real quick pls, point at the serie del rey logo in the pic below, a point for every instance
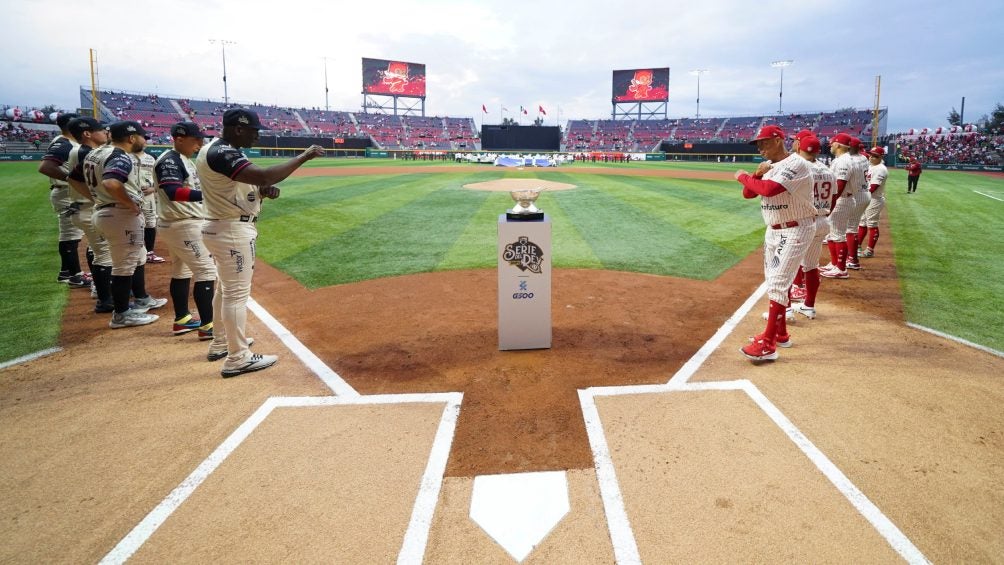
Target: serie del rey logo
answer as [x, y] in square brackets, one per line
[524, 254]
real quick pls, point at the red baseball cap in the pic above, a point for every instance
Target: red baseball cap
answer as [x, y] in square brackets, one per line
[768, 132]
[809, 144]
[856, 143]
[802, 134]
[842, 139]
[877, 151]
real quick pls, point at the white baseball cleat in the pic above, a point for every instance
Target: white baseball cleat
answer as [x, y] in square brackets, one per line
[789, 315]
[807, 311]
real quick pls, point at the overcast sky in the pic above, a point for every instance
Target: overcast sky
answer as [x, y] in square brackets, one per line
[558, 55]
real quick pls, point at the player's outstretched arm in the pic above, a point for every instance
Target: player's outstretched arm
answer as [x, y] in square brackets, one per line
[253, 174]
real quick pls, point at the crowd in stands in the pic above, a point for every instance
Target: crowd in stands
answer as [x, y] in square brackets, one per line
[949, 148]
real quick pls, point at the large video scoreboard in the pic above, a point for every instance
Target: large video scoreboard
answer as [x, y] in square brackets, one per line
[393, 78]
[641, 85]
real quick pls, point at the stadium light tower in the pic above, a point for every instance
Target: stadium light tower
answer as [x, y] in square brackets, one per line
[780, 93]
[223, 45]
[698, 72]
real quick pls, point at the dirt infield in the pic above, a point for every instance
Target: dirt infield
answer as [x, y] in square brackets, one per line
[505, 185]
[97, 435]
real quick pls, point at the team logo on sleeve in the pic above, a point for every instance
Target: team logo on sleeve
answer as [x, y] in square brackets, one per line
[524, 254]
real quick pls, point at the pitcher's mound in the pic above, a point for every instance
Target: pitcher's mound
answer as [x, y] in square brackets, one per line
[505, 185]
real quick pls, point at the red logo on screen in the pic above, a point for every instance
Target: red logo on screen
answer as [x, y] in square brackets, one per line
[641, 84]
[396, 76]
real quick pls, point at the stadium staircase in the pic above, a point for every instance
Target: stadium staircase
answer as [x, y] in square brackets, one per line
[303, 123]
[177, 108]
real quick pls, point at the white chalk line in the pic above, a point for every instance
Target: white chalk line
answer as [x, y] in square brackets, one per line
[989, 196]
[956, 339]
[30, 357]
[417, 534]
[618, 523]
[313, 362]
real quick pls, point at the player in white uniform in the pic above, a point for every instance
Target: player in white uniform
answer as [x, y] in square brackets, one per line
[233, 187]
[54, 166]
[146, 162]
[823, 185]
[111, 175]
[877, 175]
[181, 216]
[90, 134]
[843, 203]
[784, 183]
[862, 196]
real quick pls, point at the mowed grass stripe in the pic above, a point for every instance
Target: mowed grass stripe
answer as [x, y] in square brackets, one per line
[474, 248]
[626, 238]
[569, 247]
[948, 239]
[282, 238]
[413, 238]
[715, 216]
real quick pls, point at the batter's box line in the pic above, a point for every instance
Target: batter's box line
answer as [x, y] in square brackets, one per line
[417, 534]
[327, 375]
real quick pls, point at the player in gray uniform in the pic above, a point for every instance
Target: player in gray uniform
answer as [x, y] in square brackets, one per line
[54, 166]
[181, 216]
[233, 187]
[146, 162]
[823, 185]
[784, 183]
[862, 196]
[90, 134]
[877, 175]
[110, 173]
[843, 203]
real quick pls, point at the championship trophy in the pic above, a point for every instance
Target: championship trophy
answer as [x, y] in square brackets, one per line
[524, 210]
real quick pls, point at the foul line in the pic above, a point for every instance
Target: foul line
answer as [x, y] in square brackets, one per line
[313, 362]
[417, 533]
[30, 357]
[624, 543]
[956, 339]
[988, 196]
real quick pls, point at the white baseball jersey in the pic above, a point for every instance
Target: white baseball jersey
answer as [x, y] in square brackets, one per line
[795, 203]
[878, 174]
[110, 162]
[824, 184]
[145, 162]
[179, 193]
[861, 165]
[217, 164]
[843, 169]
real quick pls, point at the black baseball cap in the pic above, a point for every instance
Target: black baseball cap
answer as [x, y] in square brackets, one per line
[62, 120]
[77, 126]
[125, 128]
[187, 129]
[242, 117]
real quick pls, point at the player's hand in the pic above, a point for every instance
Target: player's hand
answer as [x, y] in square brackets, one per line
[312, 152]
[269, 192]
[763, 168]
[740, 173]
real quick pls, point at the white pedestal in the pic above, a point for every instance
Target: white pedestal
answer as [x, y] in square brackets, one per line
[524, 269]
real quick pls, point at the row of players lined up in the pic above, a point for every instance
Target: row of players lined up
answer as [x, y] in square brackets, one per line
[206, 213]
[805, 203]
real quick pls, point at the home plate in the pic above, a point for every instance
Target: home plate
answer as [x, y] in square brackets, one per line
[519, 510]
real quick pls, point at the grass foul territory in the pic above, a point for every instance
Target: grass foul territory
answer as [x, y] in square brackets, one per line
[331, 230]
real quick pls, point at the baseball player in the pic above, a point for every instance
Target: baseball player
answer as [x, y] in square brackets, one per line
[843, 203]
[54, 166]
[823, 185]
[110, 173]
[146, 162]
[862, 196]
[912, 175]
[233, 187]
[180, 219]
[90, 134]
[877, 175]
[784, 183]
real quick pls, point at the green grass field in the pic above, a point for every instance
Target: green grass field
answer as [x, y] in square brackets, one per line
[334, 230]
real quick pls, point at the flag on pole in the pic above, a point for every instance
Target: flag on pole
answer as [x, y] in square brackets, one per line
[504, 109]
[522, 109]
[483, 109]
[541, 110]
